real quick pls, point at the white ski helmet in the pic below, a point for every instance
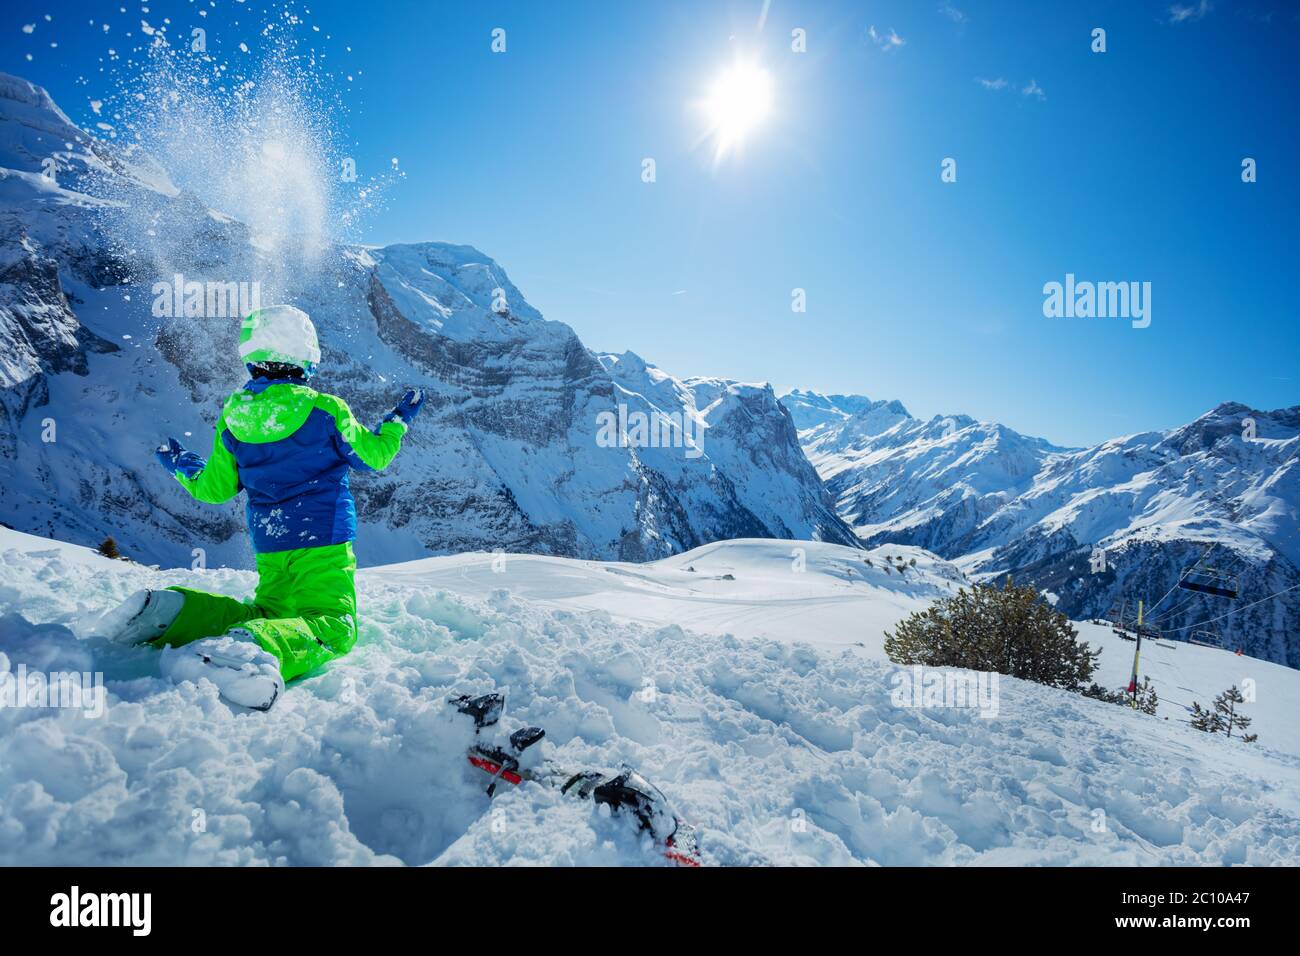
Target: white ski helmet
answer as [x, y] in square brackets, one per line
[279, 333]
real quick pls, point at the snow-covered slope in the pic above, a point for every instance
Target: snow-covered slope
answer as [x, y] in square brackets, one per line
[506, 456]
[996, 501]
[780, 751]
[829, 596]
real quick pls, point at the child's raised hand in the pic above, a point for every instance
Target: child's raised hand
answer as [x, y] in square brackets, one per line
[409, 406]
[177, 460]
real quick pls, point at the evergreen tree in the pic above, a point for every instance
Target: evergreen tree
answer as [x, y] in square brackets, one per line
[1097, 692]
[108, 548]
[1206, 720]
[1008, 630]
[1146, 699]
[1226, 707]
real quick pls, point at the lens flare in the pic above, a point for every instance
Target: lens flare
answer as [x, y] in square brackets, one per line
[738, 102]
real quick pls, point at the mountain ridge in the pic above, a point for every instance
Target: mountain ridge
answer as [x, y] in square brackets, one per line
[997, 503]
[505, 457]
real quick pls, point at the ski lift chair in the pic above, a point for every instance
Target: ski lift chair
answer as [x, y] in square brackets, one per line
[1150, 632]
[1209, 581]
[1206, 638]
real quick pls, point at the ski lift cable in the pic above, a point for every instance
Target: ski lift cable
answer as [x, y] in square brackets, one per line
[1238, 560]
[1175, 608]
[1170, 614]
[1186, 602]
[1204, 554]
[1209, 580]
[1190, 599]
[1194, 596]
[1234, 611]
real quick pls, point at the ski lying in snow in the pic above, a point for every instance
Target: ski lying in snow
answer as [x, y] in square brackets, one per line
[625, 790]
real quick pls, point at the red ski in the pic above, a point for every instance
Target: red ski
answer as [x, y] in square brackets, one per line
[624, 791]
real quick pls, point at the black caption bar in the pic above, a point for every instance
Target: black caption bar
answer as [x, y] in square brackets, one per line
[237, 906]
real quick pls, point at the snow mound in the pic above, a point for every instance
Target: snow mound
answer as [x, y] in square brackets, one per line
[780, 752]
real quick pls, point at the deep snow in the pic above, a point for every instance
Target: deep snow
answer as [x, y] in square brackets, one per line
[780, 741]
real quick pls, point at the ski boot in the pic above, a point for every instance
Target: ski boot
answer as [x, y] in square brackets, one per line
[629, 790]
[142, 617]
[244, 673]
[485, 711]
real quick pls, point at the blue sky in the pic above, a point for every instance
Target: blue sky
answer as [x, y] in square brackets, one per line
[1115, 166]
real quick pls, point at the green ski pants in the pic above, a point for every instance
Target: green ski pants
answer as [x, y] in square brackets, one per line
[304, 611]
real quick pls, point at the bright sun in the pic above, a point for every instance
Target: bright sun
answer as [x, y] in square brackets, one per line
[740, 99]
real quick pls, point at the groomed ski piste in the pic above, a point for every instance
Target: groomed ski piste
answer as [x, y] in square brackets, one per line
[753, 690]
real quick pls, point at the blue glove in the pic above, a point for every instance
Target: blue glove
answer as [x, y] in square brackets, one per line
[177, 460]
[408, 407]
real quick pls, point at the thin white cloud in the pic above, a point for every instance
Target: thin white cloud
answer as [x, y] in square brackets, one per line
[1182, 12]
[1033, 89]
[952, 13]
[998, 84]
[886, 41]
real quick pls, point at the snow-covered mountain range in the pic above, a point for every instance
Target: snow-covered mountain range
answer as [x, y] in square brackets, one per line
[996, 501]
[508, 454]
[513, 452]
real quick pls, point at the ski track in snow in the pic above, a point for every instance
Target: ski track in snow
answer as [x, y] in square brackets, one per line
[780, 752]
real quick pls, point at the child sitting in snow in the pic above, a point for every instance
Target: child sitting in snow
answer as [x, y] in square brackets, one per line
[290, 448]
